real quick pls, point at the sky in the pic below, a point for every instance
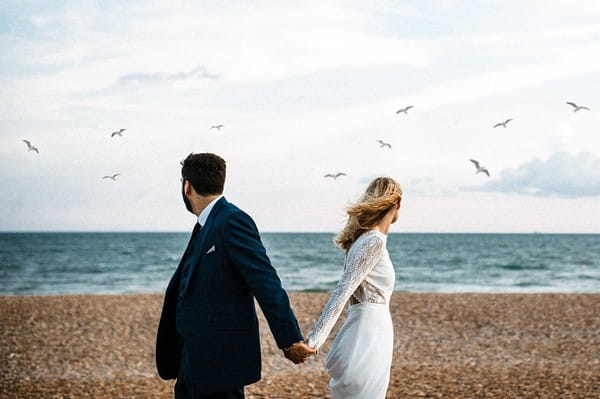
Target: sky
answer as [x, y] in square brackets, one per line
[303, 89]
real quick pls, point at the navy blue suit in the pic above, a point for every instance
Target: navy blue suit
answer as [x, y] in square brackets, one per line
[208, 332]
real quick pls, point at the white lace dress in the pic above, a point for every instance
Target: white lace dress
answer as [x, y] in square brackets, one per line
[360, 357]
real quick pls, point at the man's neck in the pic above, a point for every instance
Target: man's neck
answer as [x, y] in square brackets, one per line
[202, 203]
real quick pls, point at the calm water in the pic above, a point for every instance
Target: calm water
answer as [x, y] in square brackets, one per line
[83, 263]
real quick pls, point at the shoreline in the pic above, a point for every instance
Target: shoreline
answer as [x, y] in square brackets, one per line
[450, 345]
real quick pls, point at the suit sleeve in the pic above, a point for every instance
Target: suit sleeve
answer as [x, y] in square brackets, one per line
[248, 254]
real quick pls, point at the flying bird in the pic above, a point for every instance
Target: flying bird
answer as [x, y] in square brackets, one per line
[577, 107]
[480, 169]
[117, 133]
[503, 124]
[405, 109]
[113, 177]
[383, 144]
[335, 176]
[218, 127]
[30, 147]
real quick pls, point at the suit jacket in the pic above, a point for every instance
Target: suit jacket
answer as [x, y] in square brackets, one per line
[208, 330]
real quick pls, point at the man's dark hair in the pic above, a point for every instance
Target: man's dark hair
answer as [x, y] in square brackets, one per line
[205, 172]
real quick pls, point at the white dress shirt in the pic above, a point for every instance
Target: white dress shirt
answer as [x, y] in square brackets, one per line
[203, 216]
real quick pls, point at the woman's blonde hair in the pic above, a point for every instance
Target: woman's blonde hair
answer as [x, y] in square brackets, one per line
[381, 195]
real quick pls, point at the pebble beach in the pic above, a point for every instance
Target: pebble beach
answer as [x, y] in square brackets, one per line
[446, 346]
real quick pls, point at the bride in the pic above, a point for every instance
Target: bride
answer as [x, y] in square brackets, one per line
[360, 357]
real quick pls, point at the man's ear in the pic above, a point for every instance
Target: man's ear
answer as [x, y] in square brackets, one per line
[187, 187]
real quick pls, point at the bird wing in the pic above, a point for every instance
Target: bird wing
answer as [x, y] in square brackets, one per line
[389, 145]
[115, 175]
[329, 175]
[340, 174]
[486, 172]
[409, 107]
[35, 149]
[508, 120]
[497, 124]
[572, 104]
[475, 162]
[584, 108]
[113, 134]
[27, 142]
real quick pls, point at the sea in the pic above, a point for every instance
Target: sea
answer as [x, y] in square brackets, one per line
[117, 263]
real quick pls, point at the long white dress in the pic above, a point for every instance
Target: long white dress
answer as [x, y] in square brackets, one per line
[360, 357]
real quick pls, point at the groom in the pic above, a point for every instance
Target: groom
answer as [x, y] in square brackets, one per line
[208, 332]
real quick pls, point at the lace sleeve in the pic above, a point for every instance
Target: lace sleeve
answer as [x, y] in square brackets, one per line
[358, 266]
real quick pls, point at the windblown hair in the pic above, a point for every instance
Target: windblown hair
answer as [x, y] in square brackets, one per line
[205, 172]
[381, 195]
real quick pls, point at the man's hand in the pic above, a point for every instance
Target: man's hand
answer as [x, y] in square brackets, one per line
[298, 352]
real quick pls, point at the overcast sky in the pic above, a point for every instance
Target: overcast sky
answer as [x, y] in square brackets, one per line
[302, 89]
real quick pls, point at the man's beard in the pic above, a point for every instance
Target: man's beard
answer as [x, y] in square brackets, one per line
[186, 201]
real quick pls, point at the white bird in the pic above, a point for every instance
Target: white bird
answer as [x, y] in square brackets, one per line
[113, 177]
[117, 133]
[480, 169]
[503, 124]
[405, 109]
[30, 147]
[383, 144]
[335, 176]
[218, 127]
[577, 107]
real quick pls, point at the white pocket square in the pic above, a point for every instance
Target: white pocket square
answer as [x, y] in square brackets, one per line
[212, 249]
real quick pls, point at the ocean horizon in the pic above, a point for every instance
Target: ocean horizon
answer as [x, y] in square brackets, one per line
[104, 262]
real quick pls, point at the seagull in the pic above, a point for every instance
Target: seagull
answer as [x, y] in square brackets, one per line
[480, 168]
[30, 147]
[503, 124]
[117, 133]
[113, 177]
[405, 109]
[383, 144]
[577, 107]
[218, 127]
[335, 176]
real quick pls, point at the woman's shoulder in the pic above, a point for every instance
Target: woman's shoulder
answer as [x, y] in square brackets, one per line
[369, 237]
[374, 235]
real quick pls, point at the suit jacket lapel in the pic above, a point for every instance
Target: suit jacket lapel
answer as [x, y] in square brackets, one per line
[177, 275]
[195, 232]
[203, 233]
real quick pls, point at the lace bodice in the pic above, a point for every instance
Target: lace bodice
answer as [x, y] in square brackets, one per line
[368, 277]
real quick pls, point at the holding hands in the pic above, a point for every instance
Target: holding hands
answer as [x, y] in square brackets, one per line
[299, 352]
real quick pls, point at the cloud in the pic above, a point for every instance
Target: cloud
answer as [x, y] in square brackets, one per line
[421, 180]
[199, 72]
[561, 175]
[72, 73]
